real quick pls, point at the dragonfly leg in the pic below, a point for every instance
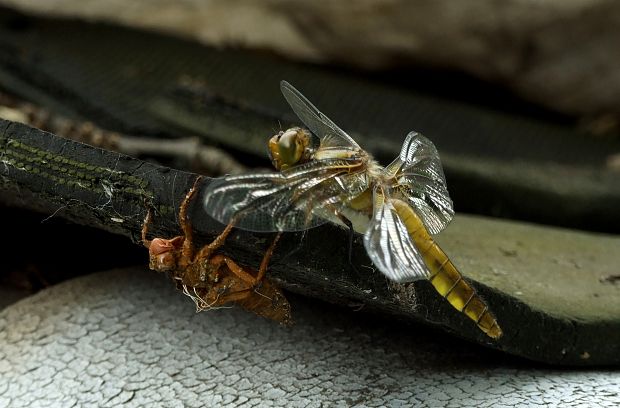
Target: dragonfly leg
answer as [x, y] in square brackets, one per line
[234, 268]
[265, 262]
[207, 250]
[145, 227]
[186, 225]
[349, 225]
[218, 261]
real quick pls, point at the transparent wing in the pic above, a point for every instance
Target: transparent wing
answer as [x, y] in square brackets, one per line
[420, 179]
[390, 248]
[288, 201]
[319, 124]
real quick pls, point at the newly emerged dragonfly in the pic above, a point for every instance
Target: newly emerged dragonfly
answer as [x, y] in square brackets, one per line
[396, 207]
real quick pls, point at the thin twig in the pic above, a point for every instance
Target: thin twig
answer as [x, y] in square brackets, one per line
[199, 158]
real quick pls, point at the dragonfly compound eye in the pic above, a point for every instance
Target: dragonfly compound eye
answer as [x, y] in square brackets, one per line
[286, 148]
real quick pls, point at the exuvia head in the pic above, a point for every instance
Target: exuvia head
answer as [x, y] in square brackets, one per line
[163, 254]
[289, 148]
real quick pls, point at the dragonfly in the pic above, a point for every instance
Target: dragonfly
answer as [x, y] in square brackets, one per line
[211, 279]
[324, 175]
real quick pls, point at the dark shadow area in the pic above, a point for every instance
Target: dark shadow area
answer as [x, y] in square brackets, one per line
[41, 250]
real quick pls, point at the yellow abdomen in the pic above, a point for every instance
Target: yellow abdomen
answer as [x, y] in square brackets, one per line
[446, 279]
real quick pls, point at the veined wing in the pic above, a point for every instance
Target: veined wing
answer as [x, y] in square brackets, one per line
[419, 178]
[292, 200]
[390, 247]
[319, 124]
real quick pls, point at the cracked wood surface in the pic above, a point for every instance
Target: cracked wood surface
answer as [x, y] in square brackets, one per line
[544, 284]
[125, 338]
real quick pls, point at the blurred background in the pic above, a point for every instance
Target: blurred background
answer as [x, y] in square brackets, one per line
[520, 97]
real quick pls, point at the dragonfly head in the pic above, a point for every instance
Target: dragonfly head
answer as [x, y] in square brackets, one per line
[289, 148]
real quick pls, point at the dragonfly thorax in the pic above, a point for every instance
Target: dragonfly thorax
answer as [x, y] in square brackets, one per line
[375, 171]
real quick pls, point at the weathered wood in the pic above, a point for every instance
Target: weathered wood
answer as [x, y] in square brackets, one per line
[111, 191]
